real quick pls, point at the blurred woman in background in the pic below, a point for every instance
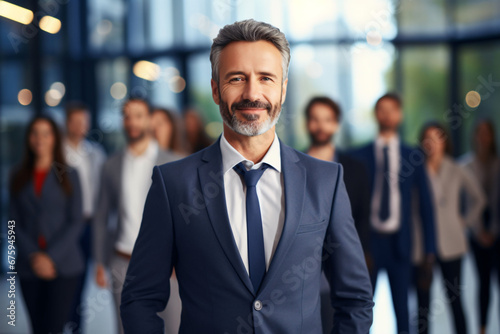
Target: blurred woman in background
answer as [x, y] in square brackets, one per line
[166, 130]
[196, 136]
[46, 205]
[448, 182]
[484, 163]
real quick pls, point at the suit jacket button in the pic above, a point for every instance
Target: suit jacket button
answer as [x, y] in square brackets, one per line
[257, 305]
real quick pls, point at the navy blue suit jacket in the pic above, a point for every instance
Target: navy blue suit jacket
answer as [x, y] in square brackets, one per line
[411, 176]
[357, 183]
[186, 226]
[56, 216]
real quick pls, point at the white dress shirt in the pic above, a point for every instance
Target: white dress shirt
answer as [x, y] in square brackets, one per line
[391, 224]
[269, 190]
[87, 158]
[136, 180]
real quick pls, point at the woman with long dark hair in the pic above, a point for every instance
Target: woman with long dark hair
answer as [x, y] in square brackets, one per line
[45, 203]
[166, 130]
[485, 164]
[449, 182]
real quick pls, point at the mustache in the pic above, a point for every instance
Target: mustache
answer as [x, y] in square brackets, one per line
[251, 104]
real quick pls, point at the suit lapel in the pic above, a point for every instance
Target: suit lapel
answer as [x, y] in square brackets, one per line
[211, 173]
[294, 176]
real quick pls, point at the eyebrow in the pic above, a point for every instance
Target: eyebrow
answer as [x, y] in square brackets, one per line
[267, 74]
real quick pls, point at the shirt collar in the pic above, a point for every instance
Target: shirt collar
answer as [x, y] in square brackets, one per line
[231, 157]
[150, 153]
[393, 142]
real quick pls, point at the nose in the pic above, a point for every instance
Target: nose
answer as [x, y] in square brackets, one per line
[251, 91]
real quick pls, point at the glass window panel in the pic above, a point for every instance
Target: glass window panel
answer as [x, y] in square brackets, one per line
[165, 91]
[370, 72]
[136, 26]
[203, 19]
[479, 71]
[313, 70]
[53, 89]
[423, 16]
[377, 17]
[106, 25]
[200, 92]
[353, 75]
[270, 11]
[14, 117]
[112, 73]
[425, 88]
[477, 13]
[15, 37]
[160, 24]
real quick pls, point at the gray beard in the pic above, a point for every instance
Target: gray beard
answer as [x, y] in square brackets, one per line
[250, 127]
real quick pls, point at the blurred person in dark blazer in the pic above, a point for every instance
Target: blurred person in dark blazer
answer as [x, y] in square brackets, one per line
[125, 180]
[396, 174]
[87, 157]
[166, 130]
[323, 116]
[484, 163]
[46, 204]
[449, 183]
[196, 136]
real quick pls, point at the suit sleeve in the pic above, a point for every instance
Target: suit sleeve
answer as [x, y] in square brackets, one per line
[426, 210]
[100, 219]
[364, 214]
[147, 284]
[345, 268]
[74, 225]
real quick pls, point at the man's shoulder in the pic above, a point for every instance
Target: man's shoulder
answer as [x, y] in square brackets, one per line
[166, 156]
[184, 164]
[312, 165]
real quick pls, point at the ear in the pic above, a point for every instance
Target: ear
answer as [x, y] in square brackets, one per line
[283, 91]
[336, 127]
[215, 91]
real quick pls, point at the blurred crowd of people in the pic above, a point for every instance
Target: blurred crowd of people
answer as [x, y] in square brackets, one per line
[415, 208]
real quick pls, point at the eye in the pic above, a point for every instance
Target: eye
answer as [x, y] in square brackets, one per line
[237, 79]
[267, 79]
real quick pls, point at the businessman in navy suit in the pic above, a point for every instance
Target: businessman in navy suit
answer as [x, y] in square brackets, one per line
[396, 174]
[248, 223]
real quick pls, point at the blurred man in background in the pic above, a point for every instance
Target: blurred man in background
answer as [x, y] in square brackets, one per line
[126, 177]
[323, 117]
[396, 171]
[87, 157]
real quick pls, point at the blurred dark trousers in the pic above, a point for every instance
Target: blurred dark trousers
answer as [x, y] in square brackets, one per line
[49, 302]
[85, 244]
[398, 271]
[452, 281]
[487, 259]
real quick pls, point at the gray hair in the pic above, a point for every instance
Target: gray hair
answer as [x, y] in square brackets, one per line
[251, 31]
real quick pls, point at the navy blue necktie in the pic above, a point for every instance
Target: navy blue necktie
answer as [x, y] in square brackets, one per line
[255, 237]
[383, 213]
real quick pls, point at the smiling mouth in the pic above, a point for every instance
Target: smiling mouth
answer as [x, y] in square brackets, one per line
[251, 110]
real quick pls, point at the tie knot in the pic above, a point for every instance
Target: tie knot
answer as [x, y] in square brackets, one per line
[251, 176]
